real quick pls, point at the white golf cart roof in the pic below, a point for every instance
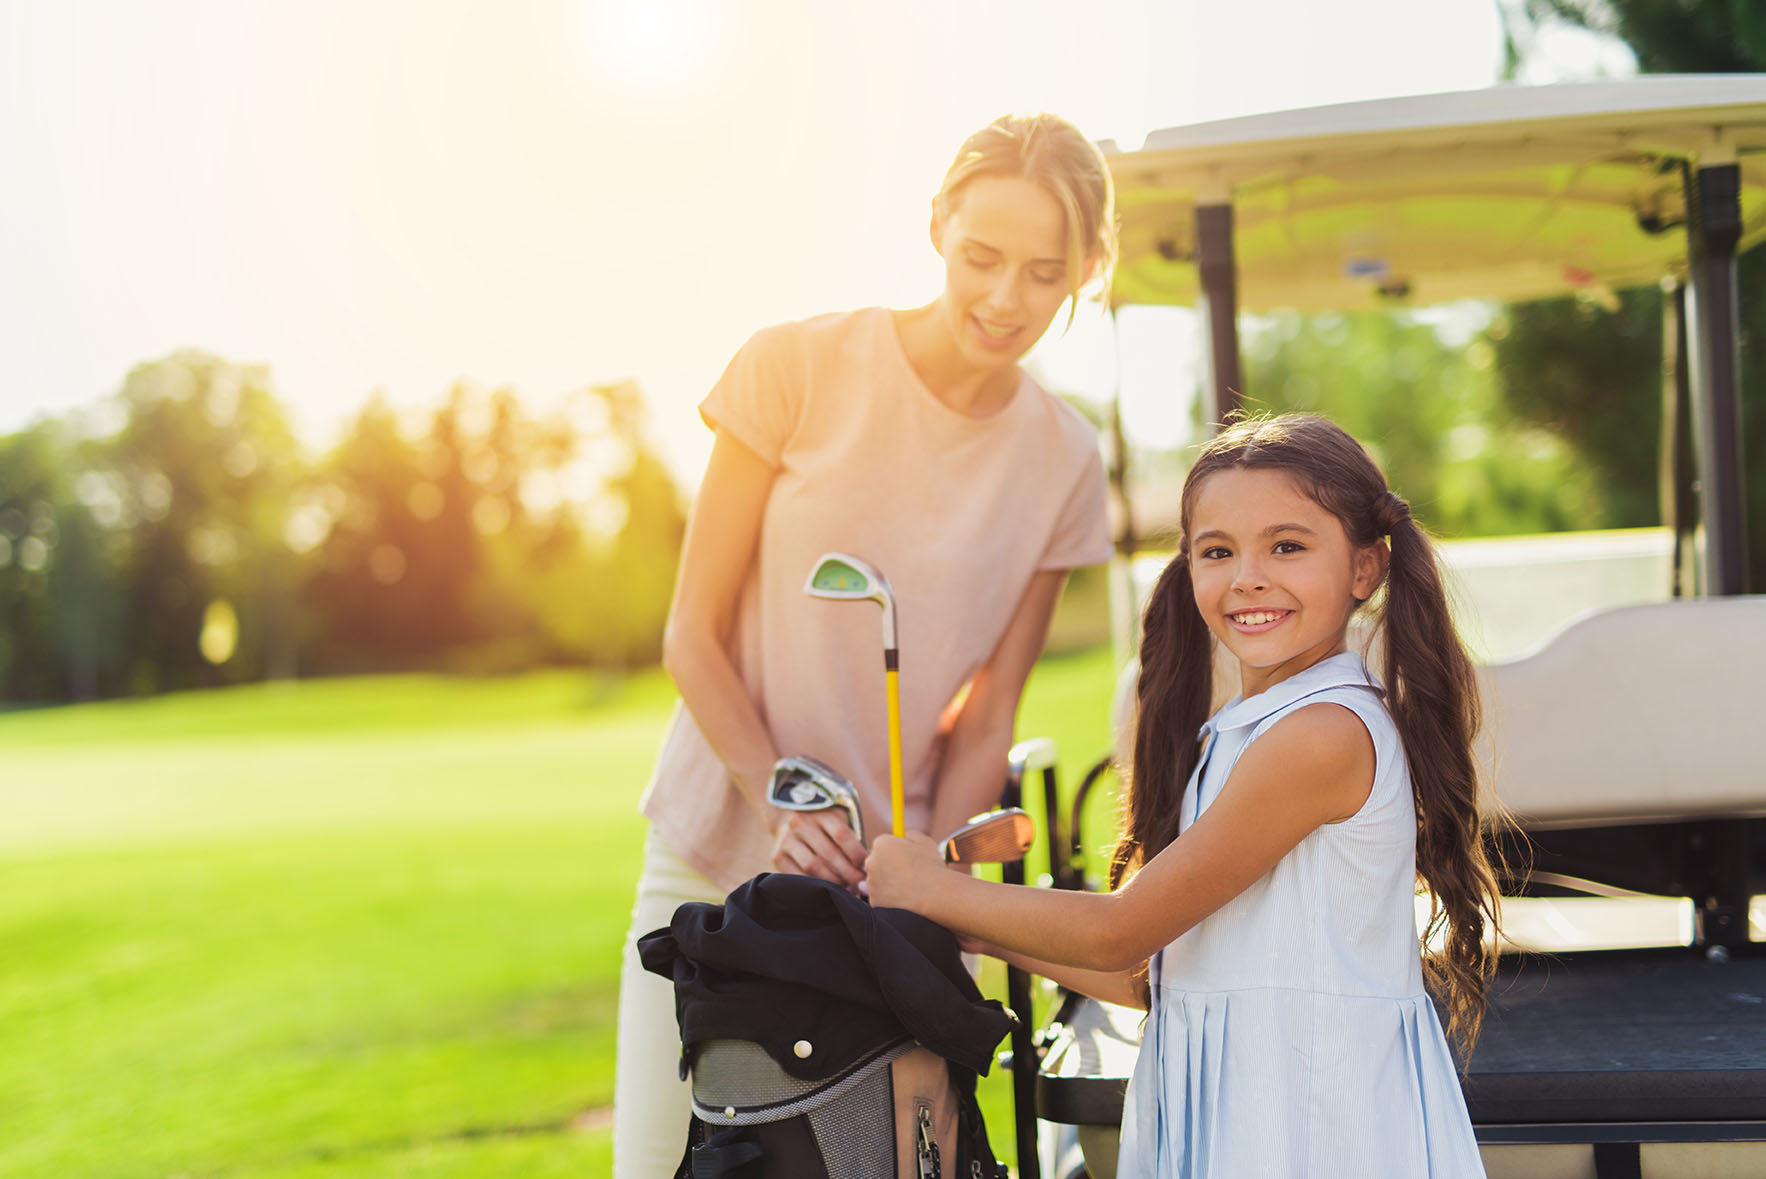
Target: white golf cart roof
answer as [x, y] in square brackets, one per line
[1517, 193]
[1514, 192]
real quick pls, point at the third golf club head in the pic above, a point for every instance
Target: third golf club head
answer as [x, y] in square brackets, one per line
[838, 577]
[997, 837]
[805, 784]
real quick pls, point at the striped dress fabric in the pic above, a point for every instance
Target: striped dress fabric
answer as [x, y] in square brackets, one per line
[1289, 1033]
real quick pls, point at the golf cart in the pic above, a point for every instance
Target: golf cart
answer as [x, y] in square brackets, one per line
[1623, 748]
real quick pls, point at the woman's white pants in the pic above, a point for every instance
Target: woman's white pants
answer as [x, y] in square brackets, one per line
[650, 1101]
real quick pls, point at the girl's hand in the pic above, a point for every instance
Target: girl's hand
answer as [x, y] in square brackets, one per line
[900, 872]
[975, 945]
[820, 843]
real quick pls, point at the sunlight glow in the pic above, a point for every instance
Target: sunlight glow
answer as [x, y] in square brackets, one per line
[541, 194]
[647, 42]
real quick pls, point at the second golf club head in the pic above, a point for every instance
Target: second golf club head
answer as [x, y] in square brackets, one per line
[838, 577]
[1031, 756]
[997, 837]
[805, 784]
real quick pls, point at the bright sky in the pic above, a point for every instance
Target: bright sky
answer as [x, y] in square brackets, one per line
[392, 194]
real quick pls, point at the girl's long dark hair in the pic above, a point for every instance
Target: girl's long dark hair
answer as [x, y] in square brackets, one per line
[1431, 690]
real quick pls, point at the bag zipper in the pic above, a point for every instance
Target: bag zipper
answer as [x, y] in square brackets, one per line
[927, 1149]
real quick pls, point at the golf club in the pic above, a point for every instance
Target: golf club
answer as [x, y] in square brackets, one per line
[1038, 755]
[996, 837]
[838, 577]
[805, 784]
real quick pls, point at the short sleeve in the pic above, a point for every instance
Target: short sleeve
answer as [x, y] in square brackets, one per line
[1081, 534]
[759, 398]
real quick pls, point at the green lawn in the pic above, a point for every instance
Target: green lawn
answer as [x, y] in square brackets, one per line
[357, 928]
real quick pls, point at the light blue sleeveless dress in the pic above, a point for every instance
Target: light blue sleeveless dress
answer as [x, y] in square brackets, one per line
[1289, 1033]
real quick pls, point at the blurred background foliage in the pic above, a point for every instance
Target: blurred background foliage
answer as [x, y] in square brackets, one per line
[1591, 373]
[194, 543]
[1434, 416]
[182, 537]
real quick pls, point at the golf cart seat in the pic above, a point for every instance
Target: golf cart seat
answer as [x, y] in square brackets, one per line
[1598, 727]
[1594, 747]
[1626, 751]
[1621, 777]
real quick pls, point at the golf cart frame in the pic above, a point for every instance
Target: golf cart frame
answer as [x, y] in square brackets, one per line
[1520, 193]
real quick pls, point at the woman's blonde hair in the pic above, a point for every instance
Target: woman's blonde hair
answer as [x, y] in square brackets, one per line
[1050, 152]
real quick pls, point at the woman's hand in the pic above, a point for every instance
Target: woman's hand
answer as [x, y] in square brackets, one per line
[820, 843]
[901, 873]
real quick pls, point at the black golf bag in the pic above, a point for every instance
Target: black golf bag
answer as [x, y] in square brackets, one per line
[826, 1039]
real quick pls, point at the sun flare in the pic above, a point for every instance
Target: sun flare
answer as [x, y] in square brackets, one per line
[647, 42]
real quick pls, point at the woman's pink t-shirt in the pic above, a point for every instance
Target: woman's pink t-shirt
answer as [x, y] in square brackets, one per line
[957, 512]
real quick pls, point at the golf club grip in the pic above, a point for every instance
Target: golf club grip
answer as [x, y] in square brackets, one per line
[898, 821]
[1051, 806]
[1024, 1062]
[1024, 1066]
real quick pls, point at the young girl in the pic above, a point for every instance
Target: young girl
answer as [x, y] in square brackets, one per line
[913, 439]
[1262, 901]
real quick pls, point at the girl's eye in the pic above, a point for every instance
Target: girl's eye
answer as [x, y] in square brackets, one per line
[1214, 553]
[979, 262]
[1289, 546]
[1049, 278]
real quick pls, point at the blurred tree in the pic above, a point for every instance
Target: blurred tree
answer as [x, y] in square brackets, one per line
[203, 473]
[1595, 377]
[497, 540]
[1591, 375]
[604, 534]
[59, 595]
[369, 612]
[1682, 37]
[194, 546]
[1428, 414]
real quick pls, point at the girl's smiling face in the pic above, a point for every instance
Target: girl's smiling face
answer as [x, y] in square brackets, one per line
[1275, 576]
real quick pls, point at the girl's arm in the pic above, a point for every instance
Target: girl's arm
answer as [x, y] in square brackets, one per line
[973, 768]
[1315, 766]
[722, 534]
[1111, 986]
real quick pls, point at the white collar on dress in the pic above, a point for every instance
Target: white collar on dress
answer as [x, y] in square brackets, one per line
[1342, 670]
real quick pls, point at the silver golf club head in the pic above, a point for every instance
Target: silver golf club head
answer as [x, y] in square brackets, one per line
[997, 837]
[805, 784]
[838, 577]
[1031, 756]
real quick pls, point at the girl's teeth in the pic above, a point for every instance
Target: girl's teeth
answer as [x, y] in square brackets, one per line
[1257, 619]
[998, 333]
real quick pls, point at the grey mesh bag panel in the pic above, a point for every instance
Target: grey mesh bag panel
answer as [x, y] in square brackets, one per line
[735, 1083]
[857, 1133]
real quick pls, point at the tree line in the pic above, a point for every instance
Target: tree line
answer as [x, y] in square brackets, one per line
[193, 543]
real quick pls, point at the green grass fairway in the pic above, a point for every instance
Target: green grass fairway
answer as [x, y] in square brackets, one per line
[356, 928]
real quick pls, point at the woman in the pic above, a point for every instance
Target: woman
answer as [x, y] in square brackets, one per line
[911, 439]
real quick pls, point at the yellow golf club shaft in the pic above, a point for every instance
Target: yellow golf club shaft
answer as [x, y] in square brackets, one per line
[896, 806]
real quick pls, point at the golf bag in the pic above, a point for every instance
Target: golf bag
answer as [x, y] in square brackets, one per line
[825, 1039]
